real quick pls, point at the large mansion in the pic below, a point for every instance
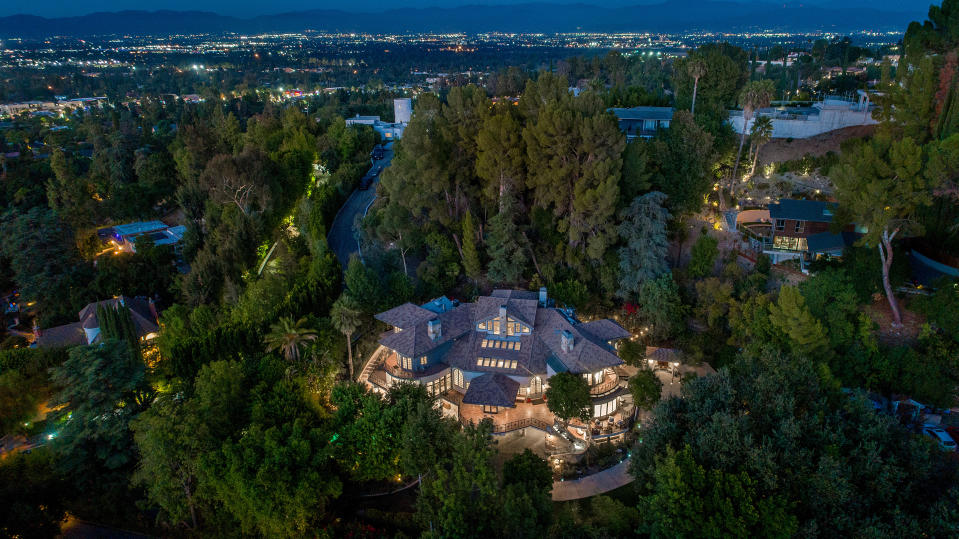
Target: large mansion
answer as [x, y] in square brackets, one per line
[494, 357]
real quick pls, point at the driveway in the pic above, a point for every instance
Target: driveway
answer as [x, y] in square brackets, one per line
[591, 485]
[342, 237]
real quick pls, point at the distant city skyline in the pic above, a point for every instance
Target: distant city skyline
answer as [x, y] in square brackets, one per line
[251, 8]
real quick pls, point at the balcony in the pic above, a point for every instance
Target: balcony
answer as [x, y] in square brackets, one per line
[609, 383]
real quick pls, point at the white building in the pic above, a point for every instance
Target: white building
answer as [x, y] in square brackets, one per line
[804, 122]
[402, 112]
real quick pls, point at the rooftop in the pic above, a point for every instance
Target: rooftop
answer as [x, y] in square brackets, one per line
[803, 210]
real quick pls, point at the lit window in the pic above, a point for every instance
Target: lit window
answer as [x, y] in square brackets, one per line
[406, 362]
[423, 360]
[490, 409]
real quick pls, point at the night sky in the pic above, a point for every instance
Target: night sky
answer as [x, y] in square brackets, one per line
[249, 8]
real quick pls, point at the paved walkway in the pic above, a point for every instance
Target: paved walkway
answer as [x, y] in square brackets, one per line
[591, 485]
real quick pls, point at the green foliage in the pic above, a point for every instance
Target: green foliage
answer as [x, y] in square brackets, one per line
[20, 397]
[643, 229]
[632, 352]
[660, 307]
[471, 258]
[439, 271]
[646, 388]
[704, 254]
[527, 507]
[706, 460]
[942, 308]
[831, 299]
[116, 323]
[681, 158]
[175, 433]
[568, 396]
[291, 454]
[461, 497]
[43, 258]
[791, 316]
[505, 246]
[32, 495]
[689, 501]
[570, 294]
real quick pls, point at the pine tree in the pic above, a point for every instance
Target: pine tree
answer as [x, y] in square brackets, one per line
[791, 316]
[505, 246]
[644, 256]
[471, 259]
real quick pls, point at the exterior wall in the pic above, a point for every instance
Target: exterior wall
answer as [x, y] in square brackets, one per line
[829, 118]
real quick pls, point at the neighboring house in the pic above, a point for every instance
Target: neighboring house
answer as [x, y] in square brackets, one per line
[124, 237]
[494, 357]
[87, 330]
[800, 229]
[803, 122]
[402, 112]
[642, 122]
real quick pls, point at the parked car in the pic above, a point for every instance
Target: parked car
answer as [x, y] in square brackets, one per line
[939, 434]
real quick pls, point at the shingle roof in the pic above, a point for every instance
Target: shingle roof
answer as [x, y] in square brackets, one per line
[492, 390]
[605, 330]
[405, 316]
[59, 336]
[803, 210]
[140, 311]
[591, 351]
[644, 113]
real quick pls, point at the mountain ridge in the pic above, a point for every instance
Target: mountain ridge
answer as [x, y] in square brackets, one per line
[667, 16]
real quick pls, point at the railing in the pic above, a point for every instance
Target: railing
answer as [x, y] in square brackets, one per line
[606, 386]
[500, 428]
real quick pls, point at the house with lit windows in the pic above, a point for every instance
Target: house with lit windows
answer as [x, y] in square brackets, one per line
[801, 229]
[494, 357]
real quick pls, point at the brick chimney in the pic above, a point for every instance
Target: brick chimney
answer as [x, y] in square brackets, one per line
[502, 319]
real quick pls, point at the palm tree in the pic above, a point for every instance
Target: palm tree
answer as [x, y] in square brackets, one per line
[759, 135]
[754, 96]
[288, 337]
[695, 68]
[345, 315]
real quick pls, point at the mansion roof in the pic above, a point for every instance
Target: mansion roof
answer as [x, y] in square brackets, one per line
[532, 339]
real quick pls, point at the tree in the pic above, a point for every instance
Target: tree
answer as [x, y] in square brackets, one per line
[471, 259]
[773, 436]
[365, 287]
[175, 433]
[345, 315]
[880, 184]
[646, 388]
[690, 501]
[568, 397]
[104, 387]
[575, 158]
[461, 497]
[289, 337]
[754, 96]
[792, 317]
[32, 495]
[660, 308]
[527, 507]
[43, 258]
[759, 135]
[501, 157]
[505, 246]
[632, 353]
[643, 228]
[704, 254]
[695, 68]
[682, 158]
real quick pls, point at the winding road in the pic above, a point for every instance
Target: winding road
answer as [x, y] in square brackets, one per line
[342, 237]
